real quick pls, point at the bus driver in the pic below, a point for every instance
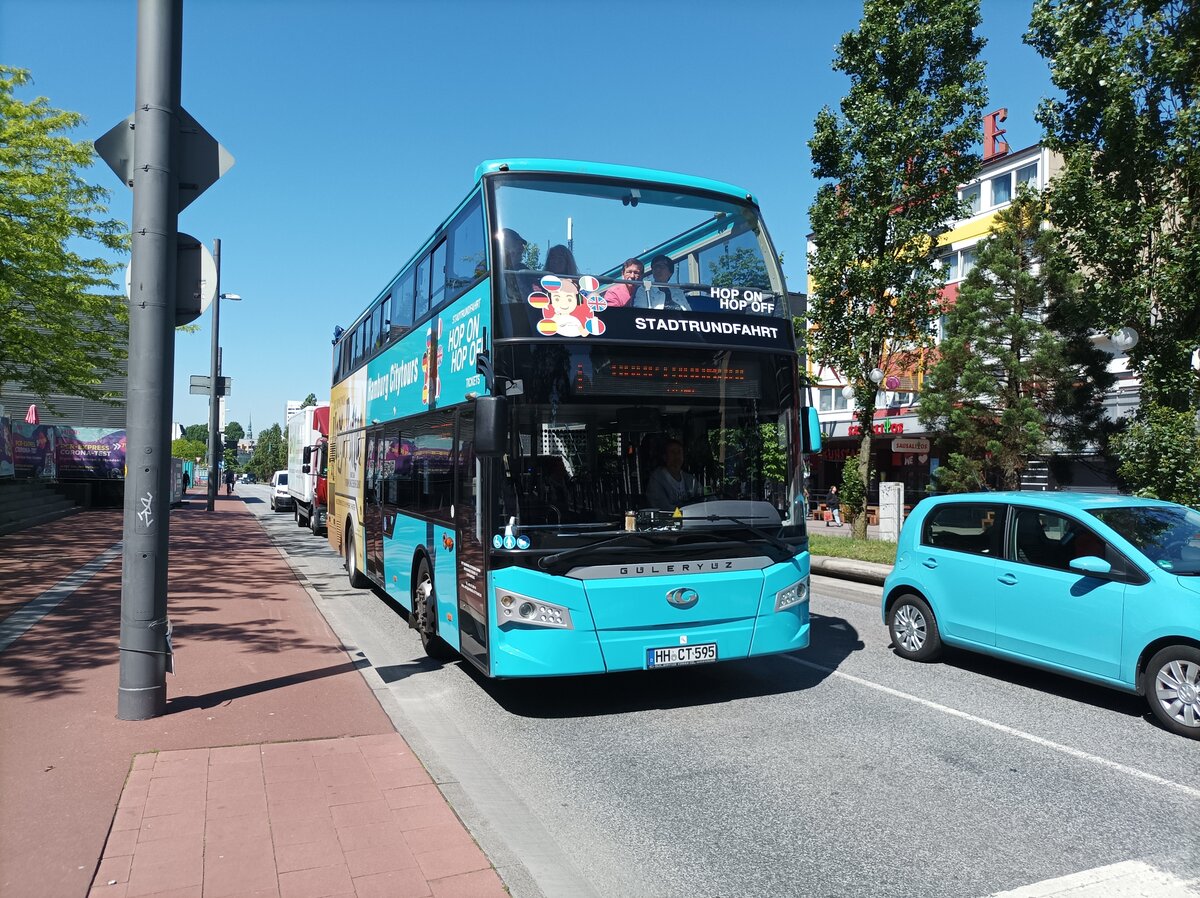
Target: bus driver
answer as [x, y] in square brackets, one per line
[669, 484]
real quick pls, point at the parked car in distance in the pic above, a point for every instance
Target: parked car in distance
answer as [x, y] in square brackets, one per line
[281, 499]
[1100, 587]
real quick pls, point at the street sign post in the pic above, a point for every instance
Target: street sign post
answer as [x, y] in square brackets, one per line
[169, 160]
[199, 385]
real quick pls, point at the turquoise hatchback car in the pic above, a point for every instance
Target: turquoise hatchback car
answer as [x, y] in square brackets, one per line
[1100, 587]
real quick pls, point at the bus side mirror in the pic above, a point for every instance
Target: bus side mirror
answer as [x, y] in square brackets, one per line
[811, 427]
[491, 426]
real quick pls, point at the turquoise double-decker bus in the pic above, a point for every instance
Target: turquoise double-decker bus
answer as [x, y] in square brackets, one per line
[567, 437]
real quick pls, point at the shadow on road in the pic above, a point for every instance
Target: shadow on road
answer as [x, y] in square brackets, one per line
[679, 687]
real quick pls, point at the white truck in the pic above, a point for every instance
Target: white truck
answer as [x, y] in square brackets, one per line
[308, 454]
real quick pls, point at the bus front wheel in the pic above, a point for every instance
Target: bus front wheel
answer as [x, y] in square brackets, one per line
[424, 614]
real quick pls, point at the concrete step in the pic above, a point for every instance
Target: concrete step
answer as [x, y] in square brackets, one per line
[44, 518]
[25, 504]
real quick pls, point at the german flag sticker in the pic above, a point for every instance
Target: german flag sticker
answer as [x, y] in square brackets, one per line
[539, 300]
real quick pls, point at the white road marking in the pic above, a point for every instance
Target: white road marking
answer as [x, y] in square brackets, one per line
[1129, 879]
[17, 623]
[1011, 731]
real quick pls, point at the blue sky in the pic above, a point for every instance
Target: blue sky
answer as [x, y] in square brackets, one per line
[357, 127]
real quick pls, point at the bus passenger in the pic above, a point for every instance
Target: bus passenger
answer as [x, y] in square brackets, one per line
[517, 286]
[670, 486]
[624, 294]
[661, 294]
[560, 260]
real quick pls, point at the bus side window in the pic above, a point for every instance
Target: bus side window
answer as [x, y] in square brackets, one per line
[422, 289]
[466, 258]
[402, 304]
[437, 276]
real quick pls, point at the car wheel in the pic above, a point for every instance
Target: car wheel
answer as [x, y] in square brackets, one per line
[424, 614]
[313, 518]
[1171, 682]
[357, 580]
[296, 513]
[914, 629]
[272, 501]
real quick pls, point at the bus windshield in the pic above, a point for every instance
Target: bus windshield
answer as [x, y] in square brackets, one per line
[710, 253]
[605, 439]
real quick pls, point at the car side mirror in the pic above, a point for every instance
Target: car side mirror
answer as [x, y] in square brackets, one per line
[305, 469]
[1090, 564]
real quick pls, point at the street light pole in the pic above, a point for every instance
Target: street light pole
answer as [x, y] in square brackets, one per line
[213, 375]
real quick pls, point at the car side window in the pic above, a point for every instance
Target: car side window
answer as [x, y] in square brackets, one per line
[973, 527]
[1052, 540]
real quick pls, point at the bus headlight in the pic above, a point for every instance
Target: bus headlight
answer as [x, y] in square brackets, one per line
[514, 608]
[793, 595]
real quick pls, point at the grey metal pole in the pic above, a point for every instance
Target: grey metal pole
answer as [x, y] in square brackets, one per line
[142, 692]
[214, 438]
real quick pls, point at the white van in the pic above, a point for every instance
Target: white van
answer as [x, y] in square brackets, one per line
[281, 499]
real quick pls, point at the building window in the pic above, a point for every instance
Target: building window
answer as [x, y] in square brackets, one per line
[1028, 175]
[970, 195]
[950, 266]
[967, 262]
[1002, 189]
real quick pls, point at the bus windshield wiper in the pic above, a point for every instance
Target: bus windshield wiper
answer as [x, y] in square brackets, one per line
[761, 534]
[571, 553]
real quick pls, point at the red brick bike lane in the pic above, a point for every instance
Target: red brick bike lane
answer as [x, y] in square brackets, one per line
[260, 681]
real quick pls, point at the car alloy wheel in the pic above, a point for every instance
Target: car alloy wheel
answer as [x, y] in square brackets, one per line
[910, 628]
[1172, 688]
[914, 629]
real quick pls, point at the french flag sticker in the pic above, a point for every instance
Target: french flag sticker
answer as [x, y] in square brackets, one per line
[595, 327]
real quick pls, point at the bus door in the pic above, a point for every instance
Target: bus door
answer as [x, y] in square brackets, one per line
[373, 502]
[471, 571]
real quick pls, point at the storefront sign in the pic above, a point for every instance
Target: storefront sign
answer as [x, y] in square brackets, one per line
[915, 445]
[882, 429]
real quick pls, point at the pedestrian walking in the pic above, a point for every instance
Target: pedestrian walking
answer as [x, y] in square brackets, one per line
[834, 504]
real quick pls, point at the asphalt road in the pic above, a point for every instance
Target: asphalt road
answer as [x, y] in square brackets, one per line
[840, 770]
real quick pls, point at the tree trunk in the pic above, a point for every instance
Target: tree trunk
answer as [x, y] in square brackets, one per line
[859, 530]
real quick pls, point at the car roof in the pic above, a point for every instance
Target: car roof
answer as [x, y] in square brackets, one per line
[1061, 500]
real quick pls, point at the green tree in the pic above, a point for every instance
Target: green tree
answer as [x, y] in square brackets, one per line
[185, 448]
[62, 321]
[741, 268]
[1128, 197]
[531, 257]
[310, 399]
[1160, 455]
[1016, 372]
[270, 453]
[233, 433]
[197, 432]
[892, 160]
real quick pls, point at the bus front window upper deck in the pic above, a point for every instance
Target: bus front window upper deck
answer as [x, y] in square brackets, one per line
[720, 257]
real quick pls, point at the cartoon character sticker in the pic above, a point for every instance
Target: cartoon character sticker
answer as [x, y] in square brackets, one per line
[569, 309]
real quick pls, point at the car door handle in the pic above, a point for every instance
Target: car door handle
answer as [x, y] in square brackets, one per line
[1008, 579]
[930, 563]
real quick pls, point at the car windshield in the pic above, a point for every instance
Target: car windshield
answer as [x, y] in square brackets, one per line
[282, 480]
[1168, 535]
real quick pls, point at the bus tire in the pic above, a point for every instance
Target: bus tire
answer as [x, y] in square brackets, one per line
[424, 614]
[357, 579]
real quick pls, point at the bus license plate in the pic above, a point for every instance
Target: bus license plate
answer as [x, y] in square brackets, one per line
[682, 654]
